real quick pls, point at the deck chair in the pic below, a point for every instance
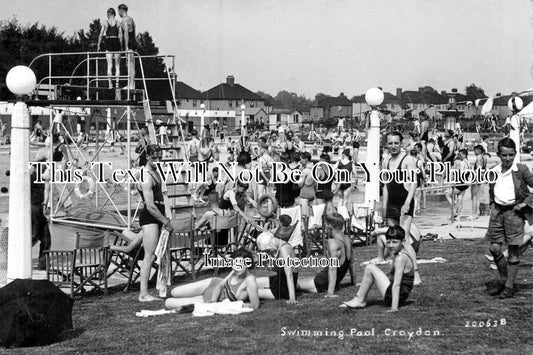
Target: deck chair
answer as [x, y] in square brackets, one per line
[361, 225]
[81, 268]
[248, 232]
[296, 239]
[218, 247]
[314, 231]
[122, 263]
[181, 246]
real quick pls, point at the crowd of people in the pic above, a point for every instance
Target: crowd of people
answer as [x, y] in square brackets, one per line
[399, 239]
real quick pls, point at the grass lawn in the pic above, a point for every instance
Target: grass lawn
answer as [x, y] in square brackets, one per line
[445, 308]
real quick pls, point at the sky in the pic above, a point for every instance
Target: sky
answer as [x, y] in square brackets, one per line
[324, 46]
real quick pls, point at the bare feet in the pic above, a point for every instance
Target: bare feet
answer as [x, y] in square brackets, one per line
[417, 281]
[148, 298]
[354, 303]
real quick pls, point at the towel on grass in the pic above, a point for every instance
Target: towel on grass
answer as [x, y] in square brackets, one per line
[224, 307]
[419, 261]
[146, 313]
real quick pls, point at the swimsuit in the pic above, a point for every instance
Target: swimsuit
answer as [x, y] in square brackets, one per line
[397, 196]
[228, 292]
[348, 167]
[285, 193]
[145, 216]
[321, 187]
[406, 285]
[278, 282]
[225, 204]
[112, 43]
[321, 279]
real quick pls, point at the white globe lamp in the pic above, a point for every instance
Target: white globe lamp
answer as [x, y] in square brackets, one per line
[515, 104]
[21, 80]
[374, 97]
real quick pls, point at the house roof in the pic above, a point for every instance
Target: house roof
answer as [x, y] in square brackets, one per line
[254, 111]
[184, 91]
[333, 101]
[227, 91]
[282, 111]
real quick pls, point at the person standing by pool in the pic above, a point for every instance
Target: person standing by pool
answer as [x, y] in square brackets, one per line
[152, 217]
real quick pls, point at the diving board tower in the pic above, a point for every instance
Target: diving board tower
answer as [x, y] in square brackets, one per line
[96, 125]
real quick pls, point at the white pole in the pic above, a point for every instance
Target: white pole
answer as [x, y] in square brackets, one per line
[19, 242]
[109, 134]
[243, 123]
[374, 98]
[202, 121]
[372, 160]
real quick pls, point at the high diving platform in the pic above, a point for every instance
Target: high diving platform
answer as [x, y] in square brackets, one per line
[97, 123]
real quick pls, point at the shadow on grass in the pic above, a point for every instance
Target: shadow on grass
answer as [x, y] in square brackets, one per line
[71, 334]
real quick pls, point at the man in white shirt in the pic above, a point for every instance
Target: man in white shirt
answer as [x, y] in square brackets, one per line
[506, 223]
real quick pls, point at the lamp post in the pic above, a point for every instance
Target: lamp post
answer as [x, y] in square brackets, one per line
[373, 98]
[20, 81]
[243, 123]
[515, 104]
[202, 120]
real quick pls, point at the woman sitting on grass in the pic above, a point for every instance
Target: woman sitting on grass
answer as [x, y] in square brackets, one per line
[339, 246]
[398, 285]
[239, 285]
[282, 285]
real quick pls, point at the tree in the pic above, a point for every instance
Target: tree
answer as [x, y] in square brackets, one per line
[20, 45]
[473, 92]
[152, 68]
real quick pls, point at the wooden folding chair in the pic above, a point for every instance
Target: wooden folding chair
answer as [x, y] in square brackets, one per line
[181, 246]
[85, 266]
[229, 223]
[124, 263]
[249, 231]
[361, 224]
[314, 236]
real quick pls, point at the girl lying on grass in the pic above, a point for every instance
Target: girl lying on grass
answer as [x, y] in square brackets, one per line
[239, 285]
[396, 288]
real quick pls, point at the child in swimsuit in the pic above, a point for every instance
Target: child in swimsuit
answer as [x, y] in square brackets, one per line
[239, 285]
[398, 285]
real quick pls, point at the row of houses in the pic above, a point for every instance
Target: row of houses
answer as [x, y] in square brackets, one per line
[226, 99]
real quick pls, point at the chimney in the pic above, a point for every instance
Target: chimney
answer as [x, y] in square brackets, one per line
[420, 89]
[230, 79]
[399, 93]
[443, 93]
[454, 90]
[341, 95]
